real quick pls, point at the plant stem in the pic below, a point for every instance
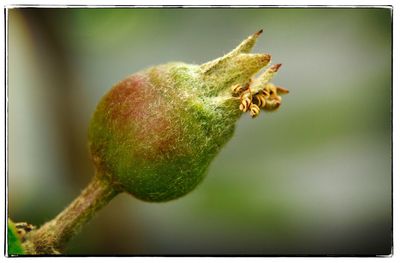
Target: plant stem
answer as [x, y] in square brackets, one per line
[52, 236]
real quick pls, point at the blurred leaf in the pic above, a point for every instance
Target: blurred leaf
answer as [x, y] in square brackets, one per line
[14, 243]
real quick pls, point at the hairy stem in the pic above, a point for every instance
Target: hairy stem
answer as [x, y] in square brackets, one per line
[52, 236]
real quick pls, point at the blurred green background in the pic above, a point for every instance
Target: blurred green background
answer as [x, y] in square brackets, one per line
[313, 178]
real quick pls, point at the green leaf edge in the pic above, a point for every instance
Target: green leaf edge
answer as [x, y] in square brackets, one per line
[14, 242]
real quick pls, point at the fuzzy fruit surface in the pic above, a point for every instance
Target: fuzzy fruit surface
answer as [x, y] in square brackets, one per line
[155, 133]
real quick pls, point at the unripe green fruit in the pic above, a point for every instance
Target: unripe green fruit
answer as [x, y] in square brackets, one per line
[156, 132]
